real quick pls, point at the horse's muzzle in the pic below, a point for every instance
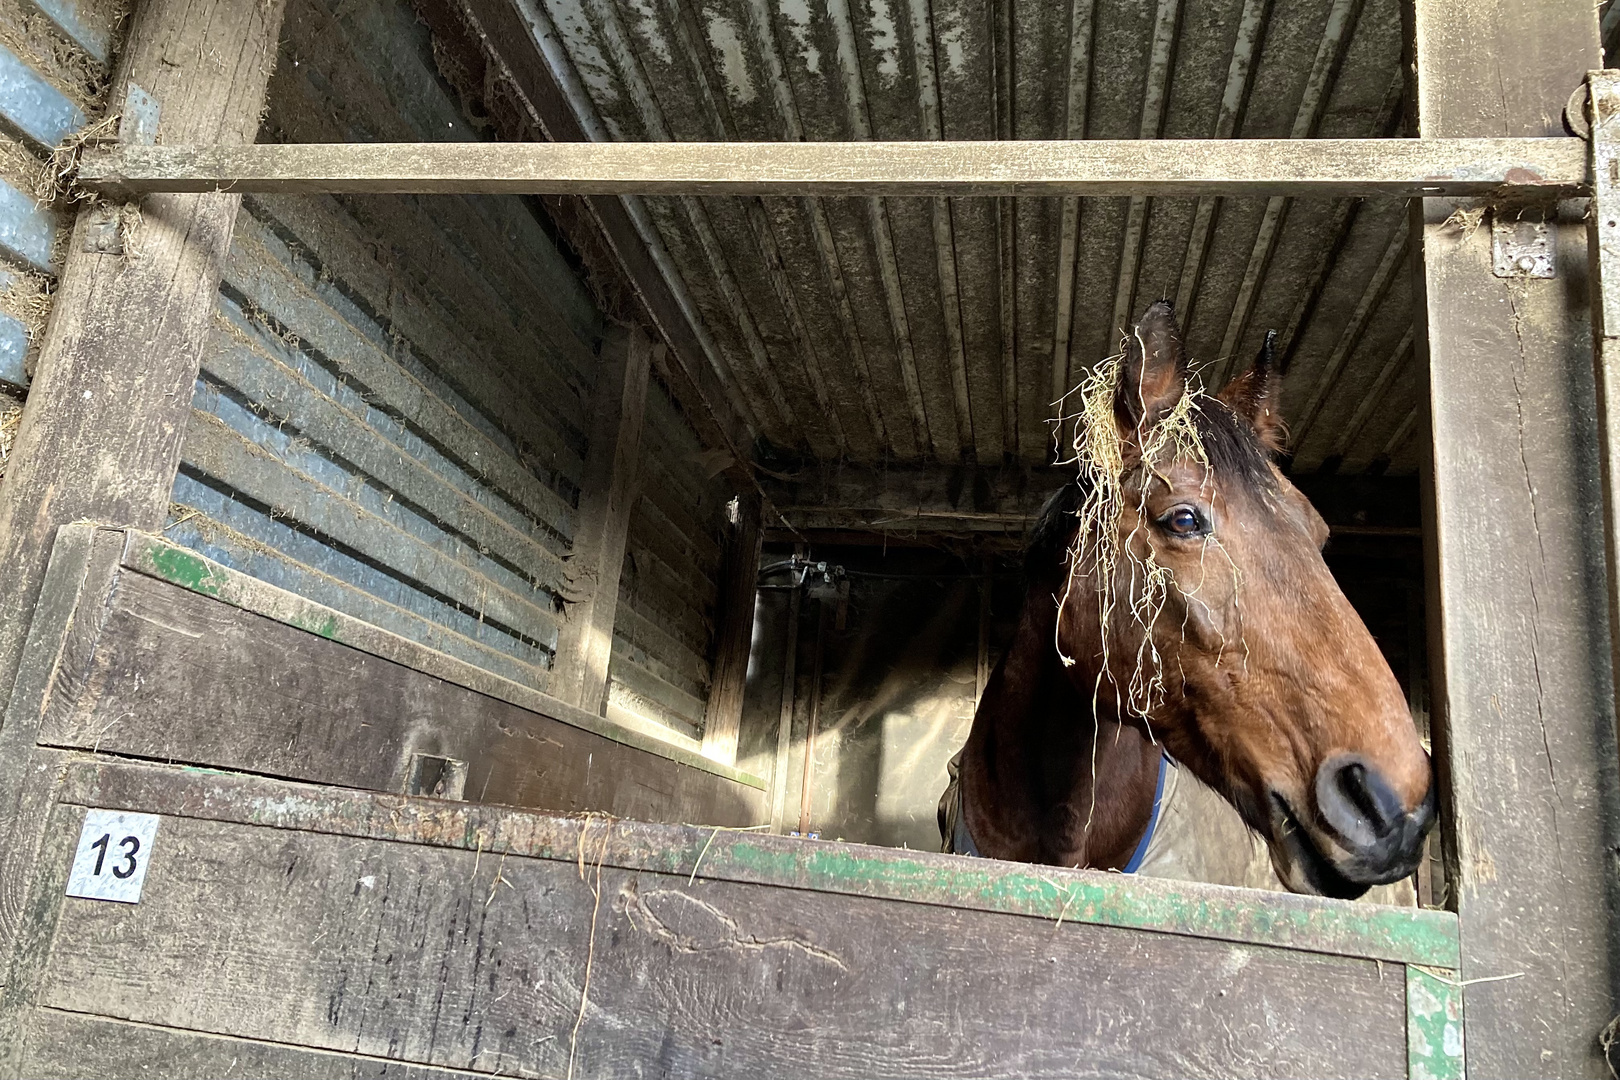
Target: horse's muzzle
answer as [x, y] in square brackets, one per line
[1380, 837]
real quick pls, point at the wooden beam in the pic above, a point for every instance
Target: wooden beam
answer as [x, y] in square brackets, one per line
[608, 494]
[1366, 167]
[1524, 731]
[723, 719]
[987, 582]
[905, 499]
[104, 420]
[1603, 235]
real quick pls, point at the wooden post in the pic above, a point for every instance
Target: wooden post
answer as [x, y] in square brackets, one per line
[806, 787]
[987, 581]
[723, 719]
[101, 432]
[1523, 712]
[784, 723]
[607, 498]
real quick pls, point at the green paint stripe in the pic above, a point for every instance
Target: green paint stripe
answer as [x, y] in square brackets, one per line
[1338, 927]
[158, 558]
[185, 568]
[1434, 1027]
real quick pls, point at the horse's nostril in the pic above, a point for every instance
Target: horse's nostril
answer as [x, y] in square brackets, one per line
[1357, 802]
[1369, 795]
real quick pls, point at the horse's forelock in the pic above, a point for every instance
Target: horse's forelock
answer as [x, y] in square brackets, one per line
[1235, 455]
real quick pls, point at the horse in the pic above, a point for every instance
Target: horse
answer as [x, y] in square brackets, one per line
[1177, 603]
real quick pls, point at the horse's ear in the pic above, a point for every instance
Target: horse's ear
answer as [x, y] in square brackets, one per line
[1153, 373]
[1256, 396]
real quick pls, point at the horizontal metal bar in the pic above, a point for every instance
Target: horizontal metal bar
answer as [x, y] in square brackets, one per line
[1391, 167]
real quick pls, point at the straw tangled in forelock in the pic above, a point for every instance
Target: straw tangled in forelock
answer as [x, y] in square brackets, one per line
[1128, 603]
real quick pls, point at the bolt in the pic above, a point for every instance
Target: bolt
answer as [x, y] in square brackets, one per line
[1525, 263]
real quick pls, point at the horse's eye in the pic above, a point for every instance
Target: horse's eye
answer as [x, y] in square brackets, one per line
[1184, 521]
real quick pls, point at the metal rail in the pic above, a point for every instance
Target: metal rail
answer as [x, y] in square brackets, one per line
[1543, 168]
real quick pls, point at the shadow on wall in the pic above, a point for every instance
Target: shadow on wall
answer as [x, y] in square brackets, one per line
[899, 676]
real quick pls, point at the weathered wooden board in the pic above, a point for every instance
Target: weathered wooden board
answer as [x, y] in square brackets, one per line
[107, 409]
[433, 951]
[171, 674]
[609, 490]
[1404, 167]
[62, 1045]
[739, 596]
[1310, 924]
[1525, 737]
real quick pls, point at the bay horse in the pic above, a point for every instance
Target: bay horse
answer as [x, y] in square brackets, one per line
[1195, 616]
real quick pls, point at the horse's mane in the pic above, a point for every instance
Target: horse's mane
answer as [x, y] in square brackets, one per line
[1235, 454]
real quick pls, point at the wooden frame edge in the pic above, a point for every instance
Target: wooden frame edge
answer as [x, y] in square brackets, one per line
[155, 557]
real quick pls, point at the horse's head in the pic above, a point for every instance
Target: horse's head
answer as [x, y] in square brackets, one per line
[1198, 604]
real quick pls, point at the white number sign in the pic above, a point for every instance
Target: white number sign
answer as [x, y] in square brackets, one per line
[110, 863]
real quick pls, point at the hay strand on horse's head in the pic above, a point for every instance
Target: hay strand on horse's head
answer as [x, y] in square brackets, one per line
[1110, 463]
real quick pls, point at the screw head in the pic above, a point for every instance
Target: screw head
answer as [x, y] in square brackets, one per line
[1525, 263]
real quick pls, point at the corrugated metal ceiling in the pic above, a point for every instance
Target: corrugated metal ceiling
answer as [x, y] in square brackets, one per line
[916, 329]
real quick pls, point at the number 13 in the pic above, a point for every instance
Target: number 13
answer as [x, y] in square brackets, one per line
[130, 843]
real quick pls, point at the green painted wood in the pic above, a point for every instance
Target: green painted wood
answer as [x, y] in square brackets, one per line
[1434, 1030]
[1309, 924]
[158, 558]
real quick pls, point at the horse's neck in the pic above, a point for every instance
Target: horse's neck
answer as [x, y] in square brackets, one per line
[1044, 780]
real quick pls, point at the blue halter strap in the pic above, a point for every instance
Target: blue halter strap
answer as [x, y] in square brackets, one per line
[962, 840]
[1153, 822]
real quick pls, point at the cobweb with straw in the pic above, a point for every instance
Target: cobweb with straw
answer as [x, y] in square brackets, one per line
[1131, 585]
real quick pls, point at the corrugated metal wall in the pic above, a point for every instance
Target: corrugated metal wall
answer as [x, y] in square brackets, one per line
[390, 416]
[55, 58]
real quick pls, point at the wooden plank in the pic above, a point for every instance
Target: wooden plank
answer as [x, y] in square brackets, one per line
[841, 495]
[1365, 167]
[609, 491]
[61, 1045]
[426, 621]
[739, 591]
[285, 397]
[218, 451]
[1525, 734]
[640, 631]
[433, 955]
[177, 676]
[675, 604]
[168, 562]
[112, 388]
[83, 561]
[1603, 242]
[337, 243]
[784, 718]
[633, 673]
[924, 881]
[266, 283]
[363, 74]
[694, 580]
[663, 489]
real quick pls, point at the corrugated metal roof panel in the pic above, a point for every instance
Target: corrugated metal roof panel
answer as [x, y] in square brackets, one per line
[906, 329]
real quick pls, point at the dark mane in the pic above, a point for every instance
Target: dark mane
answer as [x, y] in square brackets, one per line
[1235, 454]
